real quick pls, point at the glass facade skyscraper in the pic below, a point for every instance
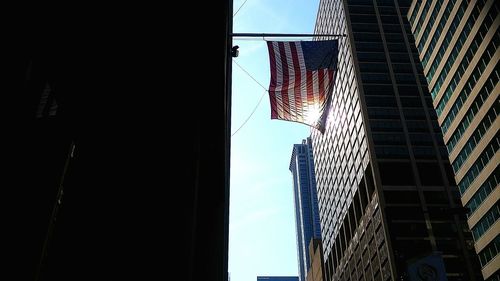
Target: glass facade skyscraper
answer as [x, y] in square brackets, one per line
[458, 45]
[386, 190]
[306, 202]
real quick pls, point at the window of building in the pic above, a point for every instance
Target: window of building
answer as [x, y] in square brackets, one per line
[396, 173]
[430, 174]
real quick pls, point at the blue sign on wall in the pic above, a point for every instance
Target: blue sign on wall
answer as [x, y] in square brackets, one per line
[429, 268]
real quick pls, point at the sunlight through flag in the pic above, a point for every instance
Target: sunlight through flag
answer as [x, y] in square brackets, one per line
[302, 79]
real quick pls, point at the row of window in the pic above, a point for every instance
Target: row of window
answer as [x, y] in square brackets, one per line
[401, 152]
[415, 11]
[430, 24]
[394, 40]
[380, 57]
[412, 104]
[495, 276]
[471, 51]
[490, 251]
[369, 9]
[481, 162]
[421, 19]
[453, 26]
[330, 19]
[461, 41]
[384, 78]
[474, 108]
[401, 174]
[343, 133]
[476, 137]
[486, 221]
[396, 126]
[486, 188]
[471, 82]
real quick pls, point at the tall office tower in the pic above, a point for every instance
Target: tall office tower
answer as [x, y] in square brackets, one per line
[389, 205]
[277, 278]
[458, 45]
[306, 202]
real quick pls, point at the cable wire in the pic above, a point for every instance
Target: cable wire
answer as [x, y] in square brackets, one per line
[239, 8]
[258, 103]
[250, 75]
[248, 118]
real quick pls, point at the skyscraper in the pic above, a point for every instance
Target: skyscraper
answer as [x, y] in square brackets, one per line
[306, 202]
[387, 197]
[458, 45]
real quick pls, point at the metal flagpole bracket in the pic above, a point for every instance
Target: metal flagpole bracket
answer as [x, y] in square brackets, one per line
[284, 35]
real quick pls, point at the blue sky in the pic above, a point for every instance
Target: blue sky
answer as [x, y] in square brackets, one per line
[261, 225]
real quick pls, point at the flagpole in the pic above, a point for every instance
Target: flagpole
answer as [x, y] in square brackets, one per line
[284, 35]
[55, 210]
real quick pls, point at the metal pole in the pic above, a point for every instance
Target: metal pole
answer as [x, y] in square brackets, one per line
[284, 35]
[55, 210]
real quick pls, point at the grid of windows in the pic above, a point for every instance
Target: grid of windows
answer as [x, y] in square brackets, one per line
[476, 137]
[342, 151]
[463, 71]
[427, 30]
[306, 211]
[458, 45]
[486, 221]
[415, 10]
[478, 102]
[479, 68]
[467, 119]
[420, 21]
[484, 191]
[446, 38]
[490, 251]
[476, 168]
[469, 54]
[405, 134]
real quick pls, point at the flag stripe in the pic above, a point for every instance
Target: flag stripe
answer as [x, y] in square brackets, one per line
[303, 77]
[285, 75]
[298, 75]
[291, 80]
[310, 97]
[315, 87]
[272, 84]
[279, 81]
[321, 86]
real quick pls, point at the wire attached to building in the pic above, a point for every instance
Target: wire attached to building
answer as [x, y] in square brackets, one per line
[239, 8]
[258, 103]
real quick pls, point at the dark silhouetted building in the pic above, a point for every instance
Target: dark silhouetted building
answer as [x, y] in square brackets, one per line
[458, 41]
[104, 79]
[306, 202]
[386, 190]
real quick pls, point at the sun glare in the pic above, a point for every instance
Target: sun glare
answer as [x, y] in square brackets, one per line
[312, 115]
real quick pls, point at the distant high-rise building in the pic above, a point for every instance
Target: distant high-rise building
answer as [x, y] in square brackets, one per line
[387, 196]
[277, 278]
[458, 45]
[306, 202]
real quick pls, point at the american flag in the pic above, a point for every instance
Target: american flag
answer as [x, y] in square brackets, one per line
[302, 78]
